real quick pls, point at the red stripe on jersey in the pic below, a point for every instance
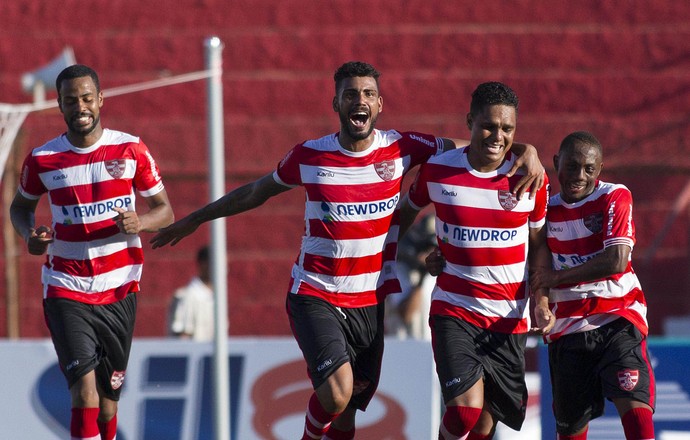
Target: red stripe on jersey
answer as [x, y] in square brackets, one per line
[479, 217]
[100, 298]
[97, 191]
[483, 256]
[581, 246]
[461, 286]
[96, 266]
[348, 230]
[355, 193]
[496, 324]
[86, 232]
[342, 266]
[359, 299]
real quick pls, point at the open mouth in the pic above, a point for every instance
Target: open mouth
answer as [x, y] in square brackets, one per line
[359, 119]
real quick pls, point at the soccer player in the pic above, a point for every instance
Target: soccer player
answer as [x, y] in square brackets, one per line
[346, 265]
[480, 312]
[94, 251]
[598, 347]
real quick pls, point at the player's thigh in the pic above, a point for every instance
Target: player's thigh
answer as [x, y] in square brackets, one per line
[318, 330]
[115, 324]
[575, 386]
[458, 365]
[627, 371]
[74, 337]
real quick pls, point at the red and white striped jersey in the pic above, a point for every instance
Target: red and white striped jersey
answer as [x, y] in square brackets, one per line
[90, 260]
[577, 232]
[483, 233]
[351, 219]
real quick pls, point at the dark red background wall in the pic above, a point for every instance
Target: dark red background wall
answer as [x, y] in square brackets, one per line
[618, 69]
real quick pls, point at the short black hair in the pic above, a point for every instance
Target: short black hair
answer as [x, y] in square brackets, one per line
[493, 93]
[77, 71]
[580, 137]
[353, 69]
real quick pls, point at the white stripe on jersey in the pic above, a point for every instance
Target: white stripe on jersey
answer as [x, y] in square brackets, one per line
[87, 174]
[598, 289]
[338, 284]
[85, 213]
[361, 247]
[87, 250]
[578, 324]
[473, 237]
[100, 283]
[500, 308]
[351, 212]
[470, 197]
[325, 175]
[568, 230]
[503, 274]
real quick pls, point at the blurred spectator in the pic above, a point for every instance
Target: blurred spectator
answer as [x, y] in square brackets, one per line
[407, 313]
[191, 311]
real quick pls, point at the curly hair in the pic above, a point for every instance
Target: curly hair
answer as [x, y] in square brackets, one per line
[493, 93]
[354, 69]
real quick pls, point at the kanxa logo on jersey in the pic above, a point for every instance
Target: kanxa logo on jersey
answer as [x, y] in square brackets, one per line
[507, 200]
[385, 170]
[116, 168]
[594, 222]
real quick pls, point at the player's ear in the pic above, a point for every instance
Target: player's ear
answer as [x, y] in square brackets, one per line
[380, 104]
[555, 161]
[469, 121]
[335, 104]
[100, 99]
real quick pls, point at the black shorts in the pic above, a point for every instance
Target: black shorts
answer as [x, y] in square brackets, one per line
[609, 362]
[465, 353]
[331, 336]
[92, 337]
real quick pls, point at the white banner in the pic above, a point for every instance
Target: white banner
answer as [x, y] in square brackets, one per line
[167, 392]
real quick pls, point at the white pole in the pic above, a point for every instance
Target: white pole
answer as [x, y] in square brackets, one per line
[216, 160]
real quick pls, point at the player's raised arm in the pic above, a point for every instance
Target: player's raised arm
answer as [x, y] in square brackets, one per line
[239, 200]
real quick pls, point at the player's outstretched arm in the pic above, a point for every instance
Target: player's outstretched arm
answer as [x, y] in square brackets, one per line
[239, 200]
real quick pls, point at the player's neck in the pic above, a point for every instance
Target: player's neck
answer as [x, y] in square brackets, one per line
[85, 141]
[356, 145]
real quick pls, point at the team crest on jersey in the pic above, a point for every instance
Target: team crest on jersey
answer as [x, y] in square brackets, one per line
[507, 200]
[116, 379]
[594, 222]
[116, 168]
[385, 169]
[627, 379]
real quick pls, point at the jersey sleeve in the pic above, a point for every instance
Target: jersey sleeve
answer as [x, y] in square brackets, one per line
[147, 178]
[537, 217]
[618, 224]
[30, 184]
[420, 147]
[288, 170]
[419, 191]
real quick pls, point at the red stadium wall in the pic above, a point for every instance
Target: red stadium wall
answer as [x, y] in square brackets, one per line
[619, 70]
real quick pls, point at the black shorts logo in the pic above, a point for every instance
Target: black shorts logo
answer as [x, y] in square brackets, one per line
[116, 379]
[627, 379]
